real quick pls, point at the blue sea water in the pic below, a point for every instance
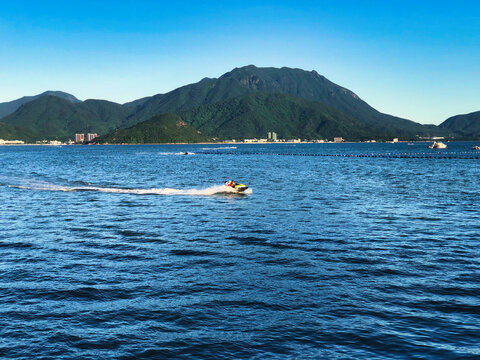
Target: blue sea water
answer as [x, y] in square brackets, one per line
[134, 252]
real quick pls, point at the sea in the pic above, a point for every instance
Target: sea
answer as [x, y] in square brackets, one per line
[336, 251]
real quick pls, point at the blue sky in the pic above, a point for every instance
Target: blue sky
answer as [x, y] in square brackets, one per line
[414, 59]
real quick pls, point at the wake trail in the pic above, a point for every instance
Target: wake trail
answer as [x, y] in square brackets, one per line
[213, 190]
[176, 153]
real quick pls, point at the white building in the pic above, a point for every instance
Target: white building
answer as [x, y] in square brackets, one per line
[11, 142]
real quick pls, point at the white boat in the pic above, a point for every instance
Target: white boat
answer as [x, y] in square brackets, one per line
[476, 147]
[437, 145]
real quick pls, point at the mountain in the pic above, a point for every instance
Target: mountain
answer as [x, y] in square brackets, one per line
[10, 132]
[237, 97]
[53, 117]
[255, 114]
[10, 107]
[166, 128]
[466, 125]
[206, 91]
[299, 83]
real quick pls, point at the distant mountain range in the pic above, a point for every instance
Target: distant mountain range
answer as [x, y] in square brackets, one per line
[245, 102]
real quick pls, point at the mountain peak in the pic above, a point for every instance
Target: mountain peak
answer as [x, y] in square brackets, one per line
[60, 94]
[9, 107]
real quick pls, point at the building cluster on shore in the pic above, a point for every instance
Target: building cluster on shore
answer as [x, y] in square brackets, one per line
[11, 142]
[272, 137]
[41, 142]
[53, 142]
[81, 138]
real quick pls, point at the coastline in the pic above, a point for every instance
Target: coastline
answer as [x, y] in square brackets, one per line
[244, 143]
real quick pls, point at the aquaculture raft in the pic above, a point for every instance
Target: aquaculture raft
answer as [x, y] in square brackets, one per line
[390, 155]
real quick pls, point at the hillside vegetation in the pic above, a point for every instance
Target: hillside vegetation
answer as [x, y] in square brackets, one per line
[9, 132]
[255, 114]
[9, 107]
[53, 117]
[167, 128]
[465, 126]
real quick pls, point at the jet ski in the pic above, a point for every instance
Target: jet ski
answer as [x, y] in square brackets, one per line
[236, 186]
[240, 187]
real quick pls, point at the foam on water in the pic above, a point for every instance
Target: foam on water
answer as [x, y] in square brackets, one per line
[219, 148]
[212, 190]
[176, 153]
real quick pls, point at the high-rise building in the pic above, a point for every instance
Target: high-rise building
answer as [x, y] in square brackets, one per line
[90, 137]
[79, 138]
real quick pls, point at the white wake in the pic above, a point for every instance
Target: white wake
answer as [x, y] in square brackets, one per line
[176, 153]
[219, 148]
[213, 190]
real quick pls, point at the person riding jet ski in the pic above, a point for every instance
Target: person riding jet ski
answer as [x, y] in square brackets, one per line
[230, 183]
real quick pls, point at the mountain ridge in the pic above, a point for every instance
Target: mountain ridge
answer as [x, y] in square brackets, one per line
[9, 107]
[309, 85]
[465, 125]
[56, 118]
[62, 118]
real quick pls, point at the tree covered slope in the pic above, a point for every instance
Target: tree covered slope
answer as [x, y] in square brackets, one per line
[166, 128]
[466, 125]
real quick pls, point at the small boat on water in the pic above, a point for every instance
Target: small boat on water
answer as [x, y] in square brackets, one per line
[476, 147]
[437, 145]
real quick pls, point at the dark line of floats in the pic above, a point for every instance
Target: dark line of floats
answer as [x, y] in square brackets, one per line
[449, 155]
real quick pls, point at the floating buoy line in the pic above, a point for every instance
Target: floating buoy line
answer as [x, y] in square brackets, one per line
[461, 155]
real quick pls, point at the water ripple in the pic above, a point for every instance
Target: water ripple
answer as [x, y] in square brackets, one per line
[330, 256]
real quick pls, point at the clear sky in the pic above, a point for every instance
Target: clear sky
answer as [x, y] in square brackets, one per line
[414, 59]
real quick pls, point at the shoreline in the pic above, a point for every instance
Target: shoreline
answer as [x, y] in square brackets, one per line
[244, 143]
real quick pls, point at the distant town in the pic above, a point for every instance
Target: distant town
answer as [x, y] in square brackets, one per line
[272, 137]
[79, 139]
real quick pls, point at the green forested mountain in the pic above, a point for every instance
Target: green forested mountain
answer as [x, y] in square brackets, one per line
[166, 128]
[466, 125]
[255, 114]
[10, 107]
[206, 91]
[53, 117]
[241, 103]
[303, 84]
[10, 132]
